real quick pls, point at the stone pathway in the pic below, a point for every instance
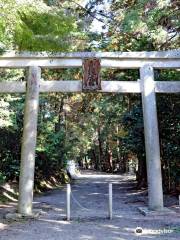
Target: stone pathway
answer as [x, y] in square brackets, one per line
[89, 212]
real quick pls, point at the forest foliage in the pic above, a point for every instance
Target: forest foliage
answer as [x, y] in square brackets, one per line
[103, 131]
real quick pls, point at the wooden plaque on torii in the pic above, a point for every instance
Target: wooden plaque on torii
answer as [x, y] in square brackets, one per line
[91, 74]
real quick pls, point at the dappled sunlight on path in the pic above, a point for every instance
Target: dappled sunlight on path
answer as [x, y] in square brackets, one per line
[89, 218]
[94, 176]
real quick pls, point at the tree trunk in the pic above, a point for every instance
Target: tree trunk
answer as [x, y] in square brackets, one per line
[60, 113]
[141, 174]
[100, 150]
[110, 160]
[95, 159]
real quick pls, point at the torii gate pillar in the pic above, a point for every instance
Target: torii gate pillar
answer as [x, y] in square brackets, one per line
[151, 132]
[26, 183]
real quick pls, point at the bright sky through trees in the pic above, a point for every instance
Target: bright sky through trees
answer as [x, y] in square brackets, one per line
[96, 25]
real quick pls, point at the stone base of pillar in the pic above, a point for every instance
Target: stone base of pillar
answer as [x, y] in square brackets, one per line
[147, 212]
[17, 216]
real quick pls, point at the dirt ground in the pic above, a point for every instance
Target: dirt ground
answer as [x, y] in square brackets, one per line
[89, 213]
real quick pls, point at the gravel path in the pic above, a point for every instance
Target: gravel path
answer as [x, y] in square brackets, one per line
[89, 217]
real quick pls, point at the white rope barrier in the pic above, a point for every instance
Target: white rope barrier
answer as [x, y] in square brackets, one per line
[69, 194]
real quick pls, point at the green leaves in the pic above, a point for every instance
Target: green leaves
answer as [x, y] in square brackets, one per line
[43, 31]
[35, 27]
[132, 22]
[141, 25]
[2, 178]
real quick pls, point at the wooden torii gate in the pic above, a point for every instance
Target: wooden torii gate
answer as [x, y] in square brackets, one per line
[146, 62]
